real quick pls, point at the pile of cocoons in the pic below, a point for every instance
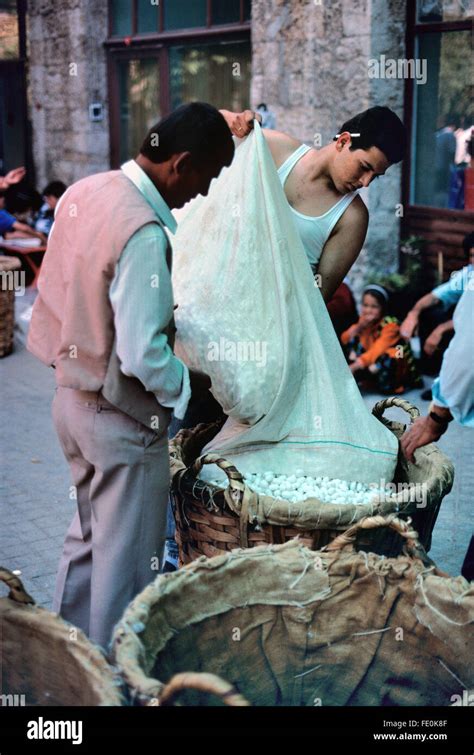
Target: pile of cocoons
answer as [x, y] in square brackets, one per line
[299, 487]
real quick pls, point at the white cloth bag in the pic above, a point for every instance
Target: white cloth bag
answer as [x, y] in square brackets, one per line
[250, 316]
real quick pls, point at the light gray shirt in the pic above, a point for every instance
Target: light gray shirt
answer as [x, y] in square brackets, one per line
[141, 296]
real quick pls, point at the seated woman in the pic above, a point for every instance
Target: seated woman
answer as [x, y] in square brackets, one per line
[376, 352]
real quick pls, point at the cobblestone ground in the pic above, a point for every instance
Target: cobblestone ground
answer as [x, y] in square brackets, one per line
[35, 510]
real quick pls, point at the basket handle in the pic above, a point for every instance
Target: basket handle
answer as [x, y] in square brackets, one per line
[380, 407]
[17, 591]
[203, 682]
[412, 545]
[236, 479]
[239, 497]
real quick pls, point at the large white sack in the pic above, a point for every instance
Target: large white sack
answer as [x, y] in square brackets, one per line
[246, 295]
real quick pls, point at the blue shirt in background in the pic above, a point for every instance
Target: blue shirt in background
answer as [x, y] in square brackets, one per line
[450, 292]
[454, 388]
[6, 222]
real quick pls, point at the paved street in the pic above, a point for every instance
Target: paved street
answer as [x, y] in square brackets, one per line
[35, 509]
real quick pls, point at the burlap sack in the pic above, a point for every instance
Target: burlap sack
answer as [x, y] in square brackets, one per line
[46, 661]
[288, 626]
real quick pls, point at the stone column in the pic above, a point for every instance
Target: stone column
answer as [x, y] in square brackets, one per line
[66, 73]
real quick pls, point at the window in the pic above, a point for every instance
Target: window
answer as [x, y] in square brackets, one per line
[186, 13]
[214, 73]
[161, 55]
[9, 32]
[443, 107]
[131, 17]
[14, 148]
[139, 86]
[148, 16]
[442, 135]
[431, 11]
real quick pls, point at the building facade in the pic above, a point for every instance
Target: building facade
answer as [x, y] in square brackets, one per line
[92, 77]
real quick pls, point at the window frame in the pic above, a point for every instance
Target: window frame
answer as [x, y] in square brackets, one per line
[413, 31]
[160, 33]
[19, 65]
[157, 44]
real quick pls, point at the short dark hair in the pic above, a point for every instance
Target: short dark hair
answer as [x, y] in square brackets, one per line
[54, 189]
[378, 127]
[22, 197]
[452, 119]
[468, 243]
[197, 128]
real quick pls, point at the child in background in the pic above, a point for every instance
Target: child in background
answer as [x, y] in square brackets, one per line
[376, 352]
[12, 228]
[51, 195]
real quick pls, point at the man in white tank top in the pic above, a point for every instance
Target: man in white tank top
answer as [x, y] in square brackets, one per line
[322, 185]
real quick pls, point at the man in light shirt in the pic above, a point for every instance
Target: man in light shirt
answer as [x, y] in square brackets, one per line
[104, 320]
[453, 390]
[453, 394]
[435, 308]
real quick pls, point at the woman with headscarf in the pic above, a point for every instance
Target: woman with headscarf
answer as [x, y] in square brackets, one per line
[376, 352]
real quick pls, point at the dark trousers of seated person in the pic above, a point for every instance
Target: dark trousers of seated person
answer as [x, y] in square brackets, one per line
[430, 319]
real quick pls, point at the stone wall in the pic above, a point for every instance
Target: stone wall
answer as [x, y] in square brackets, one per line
[65, 38]
[310, 64]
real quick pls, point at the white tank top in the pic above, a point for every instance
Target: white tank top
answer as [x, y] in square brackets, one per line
[313, 231]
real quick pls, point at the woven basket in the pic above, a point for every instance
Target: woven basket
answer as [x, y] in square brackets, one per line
[284, 625]
[7, 305]
[45, 661]
[211, 520]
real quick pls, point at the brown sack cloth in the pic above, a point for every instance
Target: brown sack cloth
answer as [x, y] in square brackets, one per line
[46, 661]
[284, 625]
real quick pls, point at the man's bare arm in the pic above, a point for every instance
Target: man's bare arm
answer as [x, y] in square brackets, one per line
[343, 247]
[281, 145]
[410, 323]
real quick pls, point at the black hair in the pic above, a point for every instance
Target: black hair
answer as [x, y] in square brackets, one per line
[378, 127]
[262, 106]
[54, 189]
[378, 296]
[197, 128]
[452, 119]
[468, 243]
[22, 197]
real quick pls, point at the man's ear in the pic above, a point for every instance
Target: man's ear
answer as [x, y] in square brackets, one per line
[182, 164]
[344, 138]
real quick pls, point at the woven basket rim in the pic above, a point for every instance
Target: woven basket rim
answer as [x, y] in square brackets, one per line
[49, 626]
[334, 515]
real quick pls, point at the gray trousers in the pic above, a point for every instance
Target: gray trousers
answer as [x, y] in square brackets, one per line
[114, 545]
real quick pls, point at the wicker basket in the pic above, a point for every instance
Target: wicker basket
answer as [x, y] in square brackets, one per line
[288, 626]
[7, 305]
[45, 661]
[211, 520]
